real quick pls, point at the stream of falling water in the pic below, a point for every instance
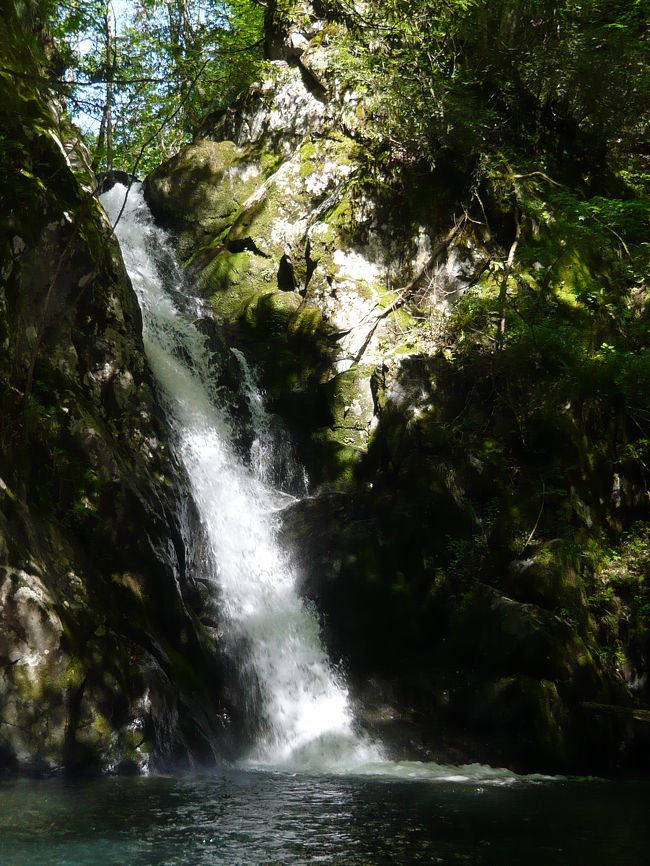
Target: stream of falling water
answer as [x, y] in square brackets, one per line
[307, 721]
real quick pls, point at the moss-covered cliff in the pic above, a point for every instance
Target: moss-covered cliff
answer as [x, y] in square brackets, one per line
[462, 359]
[106, 658]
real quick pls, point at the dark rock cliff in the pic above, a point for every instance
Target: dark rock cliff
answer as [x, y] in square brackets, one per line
[106, 654]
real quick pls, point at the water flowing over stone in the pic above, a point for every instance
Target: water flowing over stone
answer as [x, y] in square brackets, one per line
[297, 698]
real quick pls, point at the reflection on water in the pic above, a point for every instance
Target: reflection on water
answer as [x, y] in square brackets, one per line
[272, 819]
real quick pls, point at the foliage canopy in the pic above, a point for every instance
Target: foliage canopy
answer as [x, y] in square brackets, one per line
[149, 69]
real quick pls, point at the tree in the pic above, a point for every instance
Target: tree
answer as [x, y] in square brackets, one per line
[535, 111]
[140, 81]
[105, 136]
[559, 79]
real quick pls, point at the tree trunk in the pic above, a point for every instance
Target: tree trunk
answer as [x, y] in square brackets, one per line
[105, 136]
[503, 290]
[99, 147]
[110, 73]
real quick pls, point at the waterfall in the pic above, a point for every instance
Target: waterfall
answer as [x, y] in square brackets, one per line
[306, 721]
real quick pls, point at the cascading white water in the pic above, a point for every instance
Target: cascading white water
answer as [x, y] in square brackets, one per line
[308, 722]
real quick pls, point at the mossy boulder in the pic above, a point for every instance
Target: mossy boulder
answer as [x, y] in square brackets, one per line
[351, 407]
[279, 270]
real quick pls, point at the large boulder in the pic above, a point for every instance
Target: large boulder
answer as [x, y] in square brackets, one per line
[301, 262]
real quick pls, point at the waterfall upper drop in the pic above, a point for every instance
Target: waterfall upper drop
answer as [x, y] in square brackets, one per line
[306, 718]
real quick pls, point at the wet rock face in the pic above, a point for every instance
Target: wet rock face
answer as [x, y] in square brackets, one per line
[102, 652]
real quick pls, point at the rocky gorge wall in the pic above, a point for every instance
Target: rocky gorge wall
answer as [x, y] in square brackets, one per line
[475, 538]
[455, 585]
[107, 654]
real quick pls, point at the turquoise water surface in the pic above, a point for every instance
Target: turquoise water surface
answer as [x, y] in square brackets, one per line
[255, 818]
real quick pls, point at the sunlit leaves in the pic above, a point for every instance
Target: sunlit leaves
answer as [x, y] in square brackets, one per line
[565, 81]
[170, 62]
